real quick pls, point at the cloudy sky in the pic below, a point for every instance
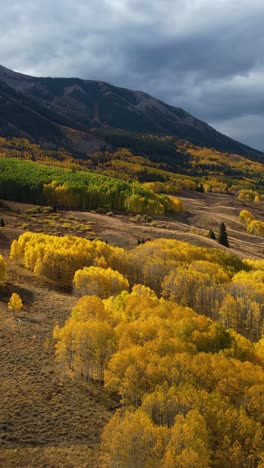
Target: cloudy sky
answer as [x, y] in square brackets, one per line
[206, 56]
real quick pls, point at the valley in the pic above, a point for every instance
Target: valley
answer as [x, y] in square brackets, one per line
[136, 323]
[204, 211]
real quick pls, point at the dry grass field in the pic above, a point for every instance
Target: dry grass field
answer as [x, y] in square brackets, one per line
[204, 211]
[47, 417]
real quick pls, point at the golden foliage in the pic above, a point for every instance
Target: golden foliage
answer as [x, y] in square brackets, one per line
[15, 303]
[192, 390]
[2, 269]
[58, 258]
[99, 281]
[254, 226]
[246, 217]
[248, 195]
[207, 280]
[184, 385]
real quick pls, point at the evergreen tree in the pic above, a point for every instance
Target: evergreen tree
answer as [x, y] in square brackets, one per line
[212, 234]
[200, 188]
[222, 238]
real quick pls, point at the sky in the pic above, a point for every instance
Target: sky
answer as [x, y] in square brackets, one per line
[205, 56]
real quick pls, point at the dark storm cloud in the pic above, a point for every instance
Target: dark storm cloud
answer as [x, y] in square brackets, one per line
[204, 56]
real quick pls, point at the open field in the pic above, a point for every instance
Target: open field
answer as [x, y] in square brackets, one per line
[46, 418]
[40, 408]
[205, 211]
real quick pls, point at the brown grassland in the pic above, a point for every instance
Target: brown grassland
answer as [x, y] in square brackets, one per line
[46, 417]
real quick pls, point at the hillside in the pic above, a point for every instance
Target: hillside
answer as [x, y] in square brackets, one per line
[135, 324]
[184, 167]
[204, 211]
[45, 418]
[22, 116]
[49, 417]
[84, 104]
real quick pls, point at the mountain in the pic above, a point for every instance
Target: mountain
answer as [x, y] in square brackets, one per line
[21, 115]
[52, 103]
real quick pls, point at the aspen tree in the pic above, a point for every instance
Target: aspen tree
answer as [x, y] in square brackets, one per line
[15, 303]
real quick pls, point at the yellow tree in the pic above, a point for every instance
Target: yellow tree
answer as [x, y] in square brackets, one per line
[189, 444]
[99, 281]
[246, 217]
[256, 227]
[15, 303]
[132, 440]
[229, 312]
[2, 269]
[86, 342]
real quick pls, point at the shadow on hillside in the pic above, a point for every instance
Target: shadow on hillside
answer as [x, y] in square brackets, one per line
[26, 295]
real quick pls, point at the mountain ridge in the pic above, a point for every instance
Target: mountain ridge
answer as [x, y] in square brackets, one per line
[85, 104]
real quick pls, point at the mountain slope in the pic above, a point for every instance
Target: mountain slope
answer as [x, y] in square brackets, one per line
[20, 117]
[23, 116]
[85, 104]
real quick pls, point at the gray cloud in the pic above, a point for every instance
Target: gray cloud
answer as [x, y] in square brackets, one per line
[248, 128]
[201, 55]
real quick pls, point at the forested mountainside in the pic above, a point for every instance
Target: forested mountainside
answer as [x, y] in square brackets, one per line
[84, 104]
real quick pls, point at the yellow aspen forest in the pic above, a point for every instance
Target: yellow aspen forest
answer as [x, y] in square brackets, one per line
[175, 331]
[212, 282]
[191, 390]
[254, 226]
